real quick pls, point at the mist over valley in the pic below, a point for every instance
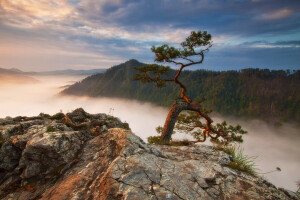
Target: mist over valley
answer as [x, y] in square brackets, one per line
[273, 146]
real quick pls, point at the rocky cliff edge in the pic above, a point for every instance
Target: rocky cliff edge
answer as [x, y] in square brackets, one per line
[82, 156]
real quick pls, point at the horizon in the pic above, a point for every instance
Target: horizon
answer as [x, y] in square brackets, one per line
[291, 70]
[88, 34]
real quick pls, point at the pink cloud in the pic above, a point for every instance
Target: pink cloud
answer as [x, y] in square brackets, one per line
[279, 14]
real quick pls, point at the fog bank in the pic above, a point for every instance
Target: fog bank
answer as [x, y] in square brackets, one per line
[275, 147]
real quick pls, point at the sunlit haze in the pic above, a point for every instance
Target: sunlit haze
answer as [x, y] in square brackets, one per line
[274, 147]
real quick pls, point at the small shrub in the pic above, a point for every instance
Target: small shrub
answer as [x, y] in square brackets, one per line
[58, 116]
[47, 116]
[240, 161]
[125, 126]
[50, 129]
[154, 140]
[111, 118]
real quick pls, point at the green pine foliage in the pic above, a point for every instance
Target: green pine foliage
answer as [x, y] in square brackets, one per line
[190, 122]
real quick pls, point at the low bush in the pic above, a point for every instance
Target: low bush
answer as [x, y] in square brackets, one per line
[240, 161]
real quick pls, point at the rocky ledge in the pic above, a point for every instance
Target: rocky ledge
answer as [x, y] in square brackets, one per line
[82, 156]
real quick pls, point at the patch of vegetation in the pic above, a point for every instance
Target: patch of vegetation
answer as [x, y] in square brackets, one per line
[156, 140]
[111, 118]
[59, 115]
[125, 126]
[240, 161]
[50, 129]
[298, 191]
[44, 115]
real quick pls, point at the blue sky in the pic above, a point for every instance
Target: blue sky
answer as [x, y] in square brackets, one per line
[45, 35]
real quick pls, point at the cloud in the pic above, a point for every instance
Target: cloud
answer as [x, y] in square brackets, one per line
[120, 29]
[277, 44]
[252, 55]
[278, 14]
[34, 12]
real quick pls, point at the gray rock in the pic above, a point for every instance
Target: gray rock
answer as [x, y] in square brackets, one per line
[134, 170]
[9, 157]
[46, 153]
[18, 129]
[65, 164]
[104, 128]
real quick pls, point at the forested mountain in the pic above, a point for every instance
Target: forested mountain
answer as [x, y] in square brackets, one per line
[255, 93]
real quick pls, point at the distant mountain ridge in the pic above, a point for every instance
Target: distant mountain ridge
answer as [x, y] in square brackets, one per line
[55, 72]
[10, 71]
[255, 93]
[15, 76]
[72, 72]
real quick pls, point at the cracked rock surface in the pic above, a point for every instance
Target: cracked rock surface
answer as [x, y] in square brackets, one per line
[117, 164]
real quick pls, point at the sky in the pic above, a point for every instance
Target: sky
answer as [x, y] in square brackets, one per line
[43, 35]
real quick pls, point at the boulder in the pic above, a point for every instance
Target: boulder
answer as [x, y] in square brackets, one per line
[51, 160]
[45, 153]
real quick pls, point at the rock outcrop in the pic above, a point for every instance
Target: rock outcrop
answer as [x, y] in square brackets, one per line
[76, 157]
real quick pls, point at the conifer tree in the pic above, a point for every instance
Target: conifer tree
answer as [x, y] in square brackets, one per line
[197, 120]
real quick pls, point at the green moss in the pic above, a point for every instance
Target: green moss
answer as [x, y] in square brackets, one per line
[125, 126]
[58, 116]
[47, 116]
[50, 129]
[111, 118]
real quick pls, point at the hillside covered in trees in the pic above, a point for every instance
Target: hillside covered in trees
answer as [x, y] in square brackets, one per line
[255, 93]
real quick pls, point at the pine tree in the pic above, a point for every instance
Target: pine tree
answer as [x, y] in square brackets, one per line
[191, 53]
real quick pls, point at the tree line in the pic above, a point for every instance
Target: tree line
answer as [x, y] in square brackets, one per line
[272, 95]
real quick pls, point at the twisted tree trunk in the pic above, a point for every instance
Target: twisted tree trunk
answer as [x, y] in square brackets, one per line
[179, 106]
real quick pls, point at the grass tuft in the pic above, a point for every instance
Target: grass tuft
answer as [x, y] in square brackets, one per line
[240, 161]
